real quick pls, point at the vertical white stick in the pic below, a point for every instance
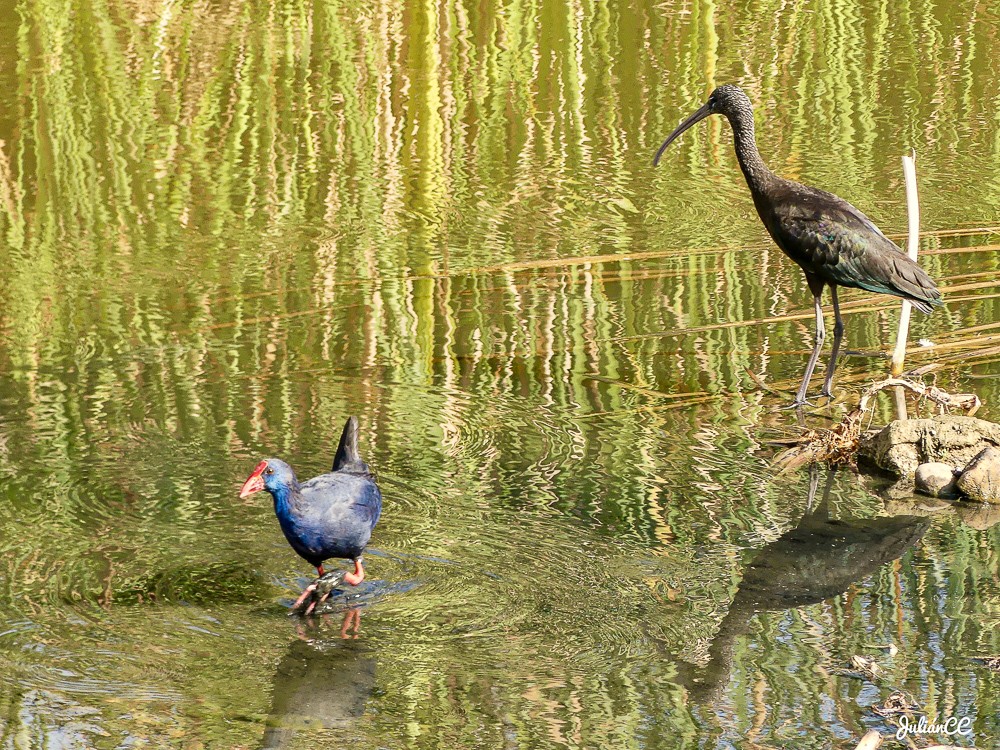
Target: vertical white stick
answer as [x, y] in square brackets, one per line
[913, 241]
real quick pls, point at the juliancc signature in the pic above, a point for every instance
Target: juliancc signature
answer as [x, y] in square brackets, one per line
[951, 726]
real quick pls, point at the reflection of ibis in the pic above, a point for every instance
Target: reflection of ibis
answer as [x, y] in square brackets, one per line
[832, 241]
[817, 560]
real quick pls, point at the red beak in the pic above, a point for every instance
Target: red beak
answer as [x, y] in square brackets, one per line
[255, 482]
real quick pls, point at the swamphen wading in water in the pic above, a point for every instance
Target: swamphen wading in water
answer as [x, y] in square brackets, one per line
[832, 241]
[331, 515]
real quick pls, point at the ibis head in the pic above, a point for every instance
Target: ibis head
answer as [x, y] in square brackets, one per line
[728, 100]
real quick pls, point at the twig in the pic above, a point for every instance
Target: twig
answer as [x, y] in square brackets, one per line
[839, 444]
[870, 741]
[968, 402]
[763, 386]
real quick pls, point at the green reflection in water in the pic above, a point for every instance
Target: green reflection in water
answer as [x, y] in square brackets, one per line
[228, 225]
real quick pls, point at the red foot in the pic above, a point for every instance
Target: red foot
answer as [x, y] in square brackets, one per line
[298, 602]
[309, 589]
[319, 601]
[358, 575]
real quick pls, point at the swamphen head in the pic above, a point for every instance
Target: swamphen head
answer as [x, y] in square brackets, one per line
[728, 100]
[271, 474]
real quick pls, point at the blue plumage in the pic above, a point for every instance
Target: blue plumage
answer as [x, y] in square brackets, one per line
[331, 515]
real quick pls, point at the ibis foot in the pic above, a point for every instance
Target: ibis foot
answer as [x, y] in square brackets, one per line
[799, 403]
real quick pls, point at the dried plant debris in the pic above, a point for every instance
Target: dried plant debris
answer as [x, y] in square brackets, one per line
[990, 662]
[835, 446]
[862, 668]
[898, 702]
[838, 445]
[867, 667]
[870, 741]
[889, 648]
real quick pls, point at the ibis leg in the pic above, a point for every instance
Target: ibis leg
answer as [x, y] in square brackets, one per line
[800, 397]
[813, 486]
[838, 334]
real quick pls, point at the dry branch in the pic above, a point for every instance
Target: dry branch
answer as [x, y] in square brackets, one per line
[838, 445]
[968, 402]
[870, 741]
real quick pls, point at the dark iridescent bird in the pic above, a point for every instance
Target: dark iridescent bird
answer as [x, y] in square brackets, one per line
[832, 241]
[329, 516]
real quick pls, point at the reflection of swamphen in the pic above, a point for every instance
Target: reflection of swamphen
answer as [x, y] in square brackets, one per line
[331, 515]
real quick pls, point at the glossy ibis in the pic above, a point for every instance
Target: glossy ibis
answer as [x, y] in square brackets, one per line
[331, 515]
[832, 241]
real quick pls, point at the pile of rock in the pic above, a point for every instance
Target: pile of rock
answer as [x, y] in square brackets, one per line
[946, 456]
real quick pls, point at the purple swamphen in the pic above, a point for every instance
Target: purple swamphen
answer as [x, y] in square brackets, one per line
[331, 515]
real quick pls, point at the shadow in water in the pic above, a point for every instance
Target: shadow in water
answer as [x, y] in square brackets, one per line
[320, 684]
[817, 560]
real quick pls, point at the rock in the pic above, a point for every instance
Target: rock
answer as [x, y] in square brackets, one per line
[980, 480]
[900, 489]
[935, 479]
[917, 505]
[904, 444]
[979, 516]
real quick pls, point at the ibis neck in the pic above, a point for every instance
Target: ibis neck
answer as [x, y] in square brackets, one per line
[754, 169]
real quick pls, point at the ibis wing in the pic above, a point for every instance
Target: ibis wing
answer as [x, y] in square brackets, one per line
[833, 240]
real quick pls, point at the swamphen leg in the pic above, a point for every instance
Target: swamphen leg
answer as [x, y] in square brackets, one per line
[352, 622]
[319, 596]
[358, 575]
[305, 595]
[838, 334]
[309, 589]
[325, 586]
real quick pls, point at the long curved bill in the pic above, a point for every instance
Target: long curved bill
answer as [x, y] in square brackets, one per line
[698, 116]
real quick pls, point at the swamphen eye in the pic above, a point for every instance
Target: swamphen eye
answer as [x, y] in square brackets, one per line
[269, 470]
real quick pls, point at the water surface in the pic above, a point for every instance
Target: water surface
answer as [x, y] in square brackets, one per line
[227, 226]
